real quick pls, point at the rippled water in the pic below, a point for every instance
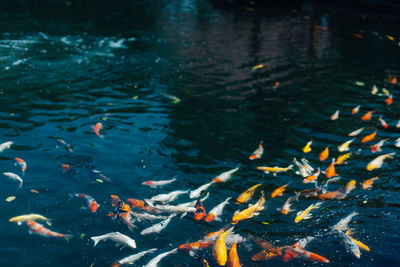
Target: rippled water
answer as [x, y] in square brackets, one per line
[65, 68]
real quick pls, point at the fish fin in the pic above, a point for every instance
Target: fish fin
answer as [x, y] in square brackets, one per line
[68, 237]
[19, 223]
[318, 205]
[48, 222]
[95, 239]
[183, 214]
[309, 216]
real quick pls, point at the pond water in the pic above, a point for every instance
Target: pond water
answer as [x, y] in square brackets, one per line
[67, 66]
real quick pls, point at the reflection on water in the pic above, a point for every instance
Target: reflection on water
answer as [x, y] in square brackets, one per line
[67, 66]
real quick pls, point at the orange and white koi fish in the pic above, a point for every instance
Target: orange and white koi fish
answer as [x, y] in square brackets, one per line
[96, 129]
[358, 243]
[246, 195]
[197, 192]
[5, 145]
[312, 178]
[383, 123]
[335, 115]
[307, 147]
[367, 183]
[251, 211]
[355, 110]
[330, 171]
[219, 249]
[305, 214]
[196, 245]
[342, 158]
[377, 146]
[356, 132]
[21, 163]
[324, 154]
[345, 146]
[369, 137]
[304, 168]
[258, 152]
[92, 204]
[367, 116]
[154, 184]
[378, 161]
[307, 255]
[374, 90]
[389, 100]
[225, 176]
[200, 211]
[274, 170]
[216, 212]
[14, 177]
[233, 259]
[288, 203]
[37, 228]
[279, 191]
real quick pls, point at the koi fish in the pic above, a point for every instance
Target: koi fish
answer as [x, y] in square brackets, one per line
[356, 132]
[286, 206]
[275, 169]
[258, 152]
[385, 92]
[69, 170]
[305, 214]
[358, 243]
[378, 161]
[251, 211]
[335, 115]
[392, 79]
[330, 171]
[266, 245]
[5, 145]
[154, 184]
[367, 116]
[389, 100]
[383, 123]
[233, 259]
[30, 217]
[367, 183]
[246, 195]
[205, 263]
[304, 169]
[65, 145]
[196, 245]
[96, 129]
[350, 186]
[216, 212]
[154, 262]
[377, 146]
[307, 147]
[92, 204]
[397, 142]
[97, 176]
[123, 213]
[173, 98]
[37, 228]
[197, 192]
[342, 225]
[116, 237]
[308, 255]
[225, 176]
[312, 178]
[259, 66]
[355, 110]
[342, 158]
[345, 146]
[279, 191]
[131, 259]
[21, 163]
[374, 90]
[331, 195]
[175, 209]
[263, 255]
[14, 177]
[219, 248]
[350, 245]
[200, 211]
[369, 137]
[169, 197]
[148, 217]
[276, 84]
[324, 154]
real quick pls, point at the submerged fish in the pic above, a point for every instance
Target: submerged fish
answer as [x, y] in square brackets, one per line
[14, 177]
[225, 176]
[367, 116]
[377, 146]
[358, 243]
[330, 171]
[5, 145]
[389, 100]
[156, 228]
[286, 206]
[258, 152]
[21, 163]
[355, 110]
[335, 115]
[342, 158]
[30, 217]
[96, 129]
[251, 211]
[369, 137]
[324, 154]
[279, 191]
[65, 145]
[116, 237]
[307, 255]
[304, 168]
[349, 244]
[173, 98]
[342, 225]
[356, 132]
[383, 123]
[154, 184]
[200, 212]
[216, 212]
[92, 204]
[169, 197]
[37, 228]
[345, 146]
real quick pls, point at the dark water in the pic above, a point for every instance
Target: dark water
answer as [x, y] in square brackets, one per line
[66, 67]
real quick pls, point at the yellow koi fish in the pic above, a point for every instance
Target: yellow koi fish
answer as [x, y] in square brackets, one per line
[219, 250]
[30, 217]
[342, 158]
[307, 147]
[358, 243]
[345, 146]
[305, 214]
[378, 161]
[246, 195]
[275, 169]
[250, 211]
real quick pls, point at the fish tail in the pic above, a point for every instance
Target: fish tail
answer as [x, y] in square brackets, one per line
[95, 239]
[48, 222]
[68, 237]
[318, 205]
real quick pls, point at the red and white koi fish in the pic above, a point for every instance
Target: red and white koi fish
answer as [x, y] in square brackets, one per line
[335, 115]
[37, 228]
[21, 163]
[307, 255]
[92, 204]
[5, 145]
[356, 132]
[355, 110]
[216, 212]
[377, 146]
[258, 152]
[225, 176]
[14, 177]
[383, 123]
[378, 161]
[96, 129]
[154, 184]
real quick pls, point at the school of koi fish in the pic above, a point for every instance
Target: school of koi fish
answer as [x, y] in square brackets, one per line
[158, 211]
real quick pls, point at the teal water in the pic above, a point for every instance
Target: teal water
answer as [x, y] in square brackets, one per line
[65, 68]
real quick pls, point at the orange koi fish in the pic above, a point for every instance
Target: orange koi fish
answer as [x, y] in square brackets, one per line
[342, 158]
[312, 178]
[331, 195]
[367, 116]
[383, 123]
[200, 211]
[378, 161]
[357, 35]
[92, 204]
[276, 84]
[233, 259]
[279, 191]
[355, 110]
[330, 171]
[21, 163]
[335, 115]
[246, 195]
[369, 137]
[258, 152]
[389, 100]
[392, 79]
[96, 129]
[68, 169]
[377, 146]
[324, 154]
[196, 245]
[37, 228]
[219, 249]
[367, 183]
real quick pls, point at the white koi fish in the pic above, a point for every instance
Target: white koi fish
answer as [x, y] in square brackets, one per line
[397, 144]
[216, 212]
[345, 146]
[154, 184]
[148, 217]
[154, 262]
[5, 145]
[156, 228]
[131, 259]
[169, 197]
[14, 177]
[117, 237]
[342, 225]
[197, 192]
[356, 132]
[225, 176]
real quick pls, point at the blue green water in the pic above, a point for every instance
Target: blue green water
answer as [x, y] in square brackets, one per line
[66, 67]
